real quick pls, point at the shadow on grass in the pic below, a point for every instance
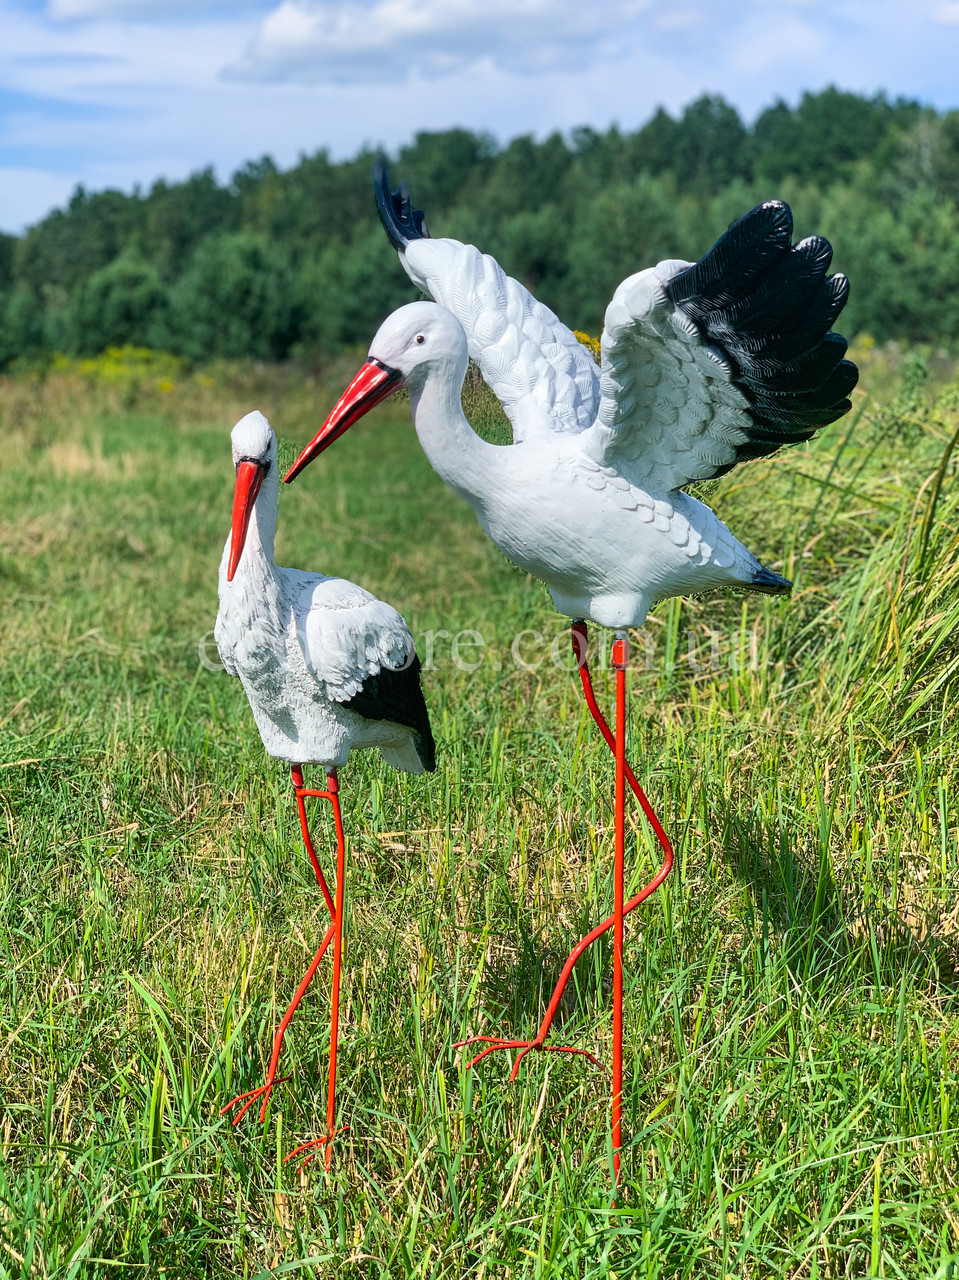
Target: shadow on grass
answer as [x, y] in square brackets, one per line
[823, 924]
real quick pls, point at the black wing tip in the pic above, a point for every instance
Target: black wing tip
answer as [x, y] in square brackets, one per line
[400, 221]
[741, 256]
[768, 583]
[770, 217]
[395, 695]
[768, 223]
[426, 750]
[768, 306]
[776, 212]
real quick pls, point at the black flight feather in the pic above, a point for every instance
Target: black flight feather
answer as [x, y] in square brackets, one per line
[395, 694]
[768, 308]
[744, 254]
[810, 371]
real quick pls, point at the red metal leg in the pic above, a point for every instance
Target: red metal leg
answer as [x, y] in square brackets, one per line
[331, 1130]
[620, 663]
[624, 774]
[334, 933]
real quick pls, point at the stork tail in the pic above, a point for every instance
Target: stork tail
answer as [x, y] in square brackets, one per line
[768, 583]
[401, 222]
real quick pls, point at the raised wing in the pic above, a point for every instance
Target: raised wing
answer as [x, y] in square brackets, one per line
[545, 379]
[710, 364]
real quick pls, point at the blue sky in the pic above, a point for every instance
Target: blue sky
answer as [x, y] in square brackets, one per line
[119, 92]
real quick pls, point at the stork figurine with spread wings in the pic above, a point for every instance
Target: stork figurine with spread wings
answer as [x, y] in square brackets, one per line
[704, 365]
[327, 668]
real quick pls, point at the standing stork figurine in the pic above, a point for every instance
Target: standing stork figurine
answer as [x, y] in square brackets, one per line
[704, 365]
[327, 668]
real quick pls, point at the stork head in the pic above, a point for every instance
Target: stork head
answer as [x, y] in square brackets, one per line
[410, 344]
[254, 453]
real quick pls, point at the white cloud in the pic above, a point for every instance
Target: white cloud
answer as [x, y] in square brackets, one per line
[104, 101]
[139, 10]
[353, 41]
[788, 41]
[947, 13]
[682, 20]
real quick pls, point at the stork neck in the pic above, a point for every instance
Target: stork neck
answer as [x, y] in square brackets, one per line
[262, 531]
[257, 567]
[456, 453]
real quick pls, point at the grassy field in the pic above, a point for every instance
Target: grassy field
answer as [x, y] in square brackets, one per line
[791, 1095]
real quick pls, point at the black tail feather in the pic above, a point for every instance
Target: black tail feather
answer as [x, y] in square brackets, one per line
[401, 222]
[768, 583]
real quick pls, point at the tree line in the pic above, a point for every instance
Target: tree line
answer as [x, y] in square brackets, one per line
[277, 263]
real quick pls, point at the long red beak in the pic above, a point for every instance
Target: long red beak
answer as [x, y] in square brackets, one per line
[374, 382]
[249, 477]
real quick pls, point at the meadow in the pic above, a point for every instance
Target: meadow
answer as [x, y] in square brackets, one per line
[791, 1101]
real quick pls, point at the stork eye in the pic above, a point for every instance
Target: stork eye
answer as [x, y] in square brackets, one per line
[420, 339]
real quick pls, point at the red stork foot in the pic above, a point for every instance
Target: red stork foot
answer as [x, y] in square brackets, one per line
[495, 1043]
[314, 1142]
[248, 1100]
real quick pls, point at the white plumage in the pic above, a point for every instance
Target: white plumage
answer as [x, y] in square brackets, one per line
[542, 374]
[607, 548]
[327, 666]
[703, 365]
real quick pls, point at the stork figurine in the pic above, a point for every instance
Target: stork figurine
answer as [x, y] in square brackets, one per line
[327, 668]
[704, 365]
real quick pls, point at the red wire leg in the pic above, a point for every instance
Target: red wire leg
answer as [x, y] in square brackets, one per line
[334, 933]
[624, 775]
[620, 662]
[331, 1132]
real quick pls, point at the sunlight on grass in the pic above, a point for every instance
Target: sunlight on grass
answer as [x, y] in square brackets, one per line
[792, 1016]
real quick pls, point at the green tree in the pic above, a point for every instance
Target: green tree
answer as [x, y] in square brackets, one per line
[346, 293]
[8, 246]
[902, 263]
[826, 135]
[525, 175]
[22, 330]
[653, 148]
[532, 247]
[447, 167]
[235, 300]
[625, 228]
[69, 245]
[710, 145]
[123, 303]
[314, 204]
[175, 217]
[927, 154]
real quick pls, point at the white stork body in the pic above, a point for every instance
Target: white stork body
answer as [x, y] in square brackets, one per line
[309, 650]
[327, 668]
[704, 365]
[607, 549]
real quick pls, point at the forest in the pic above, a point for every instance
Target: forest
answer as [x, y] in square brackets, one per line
[277, 264]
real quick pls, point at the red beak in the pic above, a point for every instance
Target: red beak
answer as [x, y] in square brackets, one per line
[374, 382]
[249, 477]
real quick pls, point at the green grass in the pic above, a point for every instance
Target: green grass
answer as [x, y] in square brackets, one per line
[792, 1012]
